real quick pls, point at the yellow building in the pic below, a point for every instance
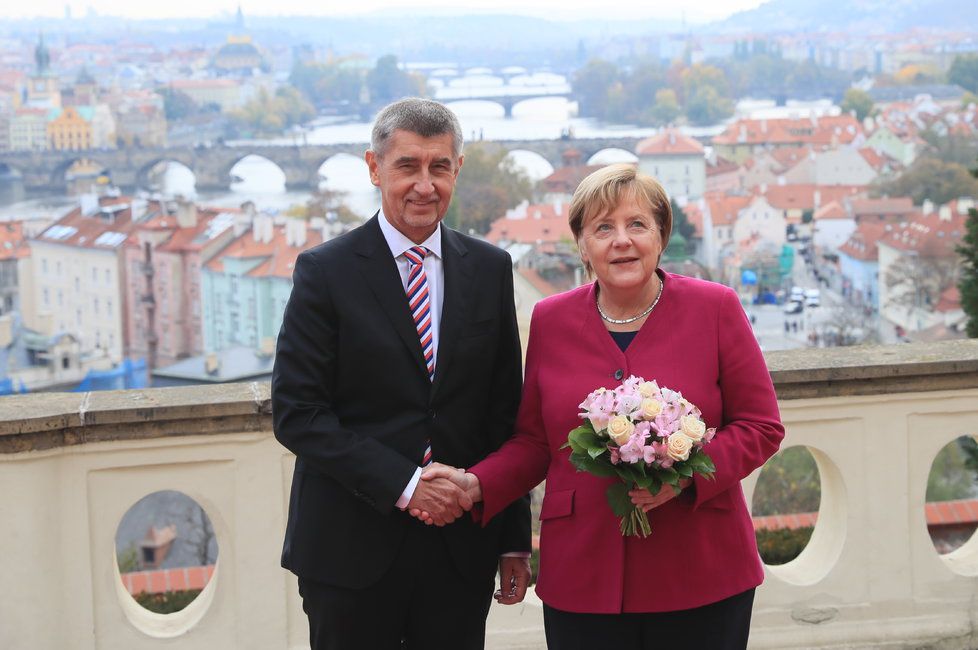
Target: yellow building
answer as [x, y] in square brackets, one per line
[70, 128]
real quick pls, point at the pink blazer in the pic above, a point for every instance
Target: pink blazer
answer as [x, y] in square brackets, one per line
[702, 549]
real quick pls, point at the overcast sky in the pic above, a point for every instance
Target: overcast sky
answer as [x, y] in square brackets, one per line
[698, 11]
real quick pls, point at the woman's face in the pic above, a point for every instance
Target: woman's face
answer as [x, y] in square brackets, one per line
[623, 245]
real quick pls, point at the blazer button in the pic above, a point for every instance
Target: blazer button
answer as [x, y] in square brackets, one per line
[431, 414]
[619, 374]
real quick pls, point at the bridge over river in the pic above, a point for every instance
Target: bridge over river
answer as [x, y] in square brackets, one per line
[44, 172]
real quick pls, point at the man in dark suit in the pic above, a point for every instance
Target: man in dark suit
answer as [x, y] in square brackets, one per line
[399, 346]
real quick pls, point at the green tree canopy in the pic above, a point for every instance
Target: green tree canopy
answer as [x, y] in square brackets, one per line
[388, 83]
[932, 179]
[859, 101]
[964, 72]
[270, 114]
[591, 85]
[488, 185]
[324, 84]
[968, 283]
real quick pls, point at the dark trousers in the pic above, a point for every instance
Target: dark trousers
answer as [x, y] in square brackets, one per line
[723, 625]
[422, 603]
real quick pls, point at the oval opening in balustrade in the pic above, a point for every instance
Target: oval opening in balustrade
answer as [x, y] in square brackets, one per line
[785, 505]
[166, 551]
[799, 511]
[951, 508]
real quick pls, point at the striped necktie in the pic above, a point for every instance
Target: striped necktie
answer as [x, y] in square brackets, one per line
[420, 304]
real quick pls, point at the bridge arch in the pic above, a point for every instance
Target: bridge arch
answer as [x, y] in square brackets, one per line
[344, 172]
[260, 173]
[535, 166]
[611, 155]
[146, 171]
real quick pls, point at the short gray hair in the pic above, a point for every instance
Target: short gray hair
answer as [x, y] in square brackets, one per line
[424, 117]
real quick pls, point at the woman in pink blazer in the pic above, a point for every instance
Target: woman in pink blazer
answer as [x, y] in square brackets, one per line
[691, 583]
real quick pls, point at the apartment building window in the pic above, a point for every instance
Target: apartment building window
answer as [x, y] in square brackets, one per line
[95, 306]
[44, 265]
[57, 268]
[94, 275]
[108, 306]
[47, 297]
[108, 276]
[78, 316]
[61, 298]
[77, 284]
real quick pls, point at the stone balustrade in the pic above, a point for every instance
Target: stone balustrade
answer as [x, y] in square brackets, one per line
[71, 465]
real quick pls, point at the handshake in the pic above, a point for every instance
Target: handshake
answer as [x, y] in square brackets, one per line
[443, 494]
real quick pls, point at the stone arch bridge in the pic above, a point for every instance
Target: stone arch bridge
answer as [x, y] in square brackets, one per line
[43, 172]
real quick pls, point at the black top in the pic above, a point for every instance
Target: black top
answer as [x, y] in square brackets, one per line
[623, 339]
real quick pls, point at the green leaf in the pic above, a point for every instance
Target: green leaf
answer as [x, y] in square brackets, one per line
[621, 504]
[684, 470]
[584, 463]
[584, 439]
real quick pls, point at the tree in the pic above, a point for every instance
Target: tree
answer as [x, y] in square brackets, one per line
[592, 84]
[324, 84]
[388, 83]
[964, 72]
[916, 282]
[177, 105]
[706, 106]
[788, 483]
[932, 179]
[968, 282]
[272, 114]
[666, 107]
[488, 185]
[859, 101]
[918, 73]
[845, 326]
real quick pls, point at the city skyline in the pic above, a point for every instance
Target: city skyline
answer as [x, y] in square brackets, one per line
[703, 11]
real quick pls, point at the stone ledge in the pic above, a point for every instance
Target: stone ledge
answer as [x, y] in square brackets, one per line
[46, 420]
[50, 420]
[874, 370]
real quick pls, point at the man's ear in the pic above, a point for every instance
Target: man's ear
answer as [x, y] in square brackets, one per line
[461, 159]
[372, 163]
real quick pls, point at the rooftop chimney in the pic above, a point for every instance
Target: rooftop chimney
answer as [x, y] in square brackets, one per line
[212, 364]
[186, 213]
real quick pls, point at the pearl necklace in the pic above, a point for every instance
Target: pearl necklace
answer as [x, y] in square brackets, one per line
[625, 321]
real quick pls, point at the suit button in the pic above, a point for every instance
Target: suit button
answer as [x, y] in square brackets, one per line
[432, 414]
[619, 374]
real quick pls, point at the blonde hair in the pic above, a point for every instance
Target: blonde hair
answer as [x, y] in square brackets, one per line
[601, 192]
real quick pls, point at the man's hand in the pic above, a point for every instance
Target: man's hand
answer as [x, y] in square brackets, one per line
[646, 501]
[468, 484]
[438, 500]
[514, 578]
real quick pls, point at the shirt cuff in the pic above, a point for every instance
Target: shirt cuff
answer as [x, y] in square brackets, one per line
[408, 492]
[522, 554]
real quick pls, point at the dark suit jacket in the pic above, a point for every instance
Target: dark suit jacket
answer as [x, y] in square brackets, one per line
[352, 399]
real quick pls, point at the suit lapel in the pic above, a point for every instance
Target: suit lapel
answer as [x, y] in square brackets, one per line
[455, 304]
[380, 272]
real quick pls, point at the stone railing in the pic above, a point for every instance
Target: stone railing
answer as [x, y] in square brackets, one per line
[72, 464]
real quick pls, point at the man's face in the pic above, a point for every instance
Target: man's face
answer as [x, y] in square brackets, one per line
[416, 177]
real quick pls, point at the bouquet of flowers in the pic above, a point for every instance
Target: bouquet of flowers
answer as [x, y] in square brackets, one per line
[646, 436]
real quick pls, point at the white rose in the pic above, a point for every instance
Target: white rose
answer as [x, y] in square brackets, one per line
[647, 389]
[679, 446]
[693, 427]
[620, 429]
[651, 408]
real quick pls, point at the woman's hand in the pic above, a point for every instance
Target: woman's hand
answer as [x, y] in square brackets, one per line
[646, 501]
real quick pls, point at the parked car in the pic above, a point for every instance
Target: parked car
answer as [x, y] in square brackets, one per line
[793, 307]
[813, 298]
[797, 294]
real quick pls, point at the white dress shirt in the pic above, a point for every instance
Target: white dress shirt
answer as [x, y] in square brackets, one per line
[435, 271]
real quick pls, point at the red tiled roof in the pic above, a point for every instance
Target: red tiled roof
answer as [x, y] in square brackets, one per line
[802, 196]
[929, 235]
[566, 179]
[94, 231]
[12, 242]
[278, 257]
[722, 166]
[950, 300]
[788, 157]
[882, 207]
[670, 142]
[831, 210]
[538, 282]
[541, 224]
[825, 130]
[725, 207]
[163, 580]
[694, 215]
[937, 513]
[861, 245]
